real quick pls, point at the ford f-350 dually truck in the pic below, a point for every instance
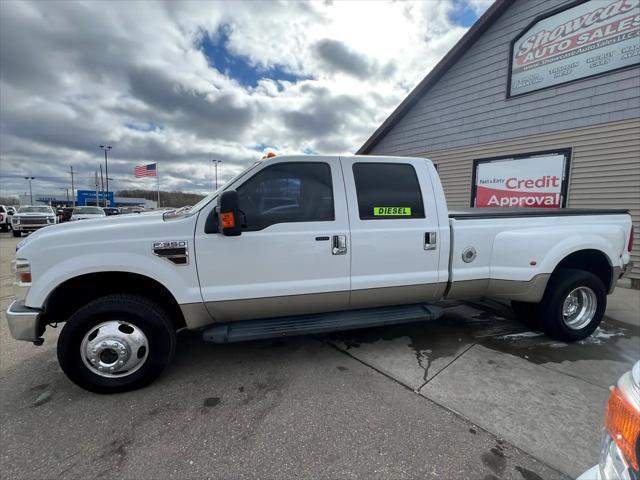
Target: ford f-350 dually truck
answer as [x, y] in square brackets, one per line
[304, 244]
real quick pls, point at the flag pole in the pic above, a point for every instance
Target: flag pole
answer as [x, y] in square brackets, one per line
[158, 178]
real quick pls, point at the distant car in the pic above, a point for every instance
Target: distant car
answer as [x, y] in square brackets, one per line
[32, 217]
[5, 218]
[111, 211]
[66, 214]
[620, 448]
[132, 209]
[86, 213]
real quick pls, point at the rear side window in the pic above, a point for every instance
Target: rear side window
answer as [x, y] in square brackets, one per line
[387, 191]
[288, 192]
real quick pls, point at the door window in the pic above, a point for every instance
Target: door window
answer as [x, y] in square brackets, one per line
[286, 193]
[387, 191]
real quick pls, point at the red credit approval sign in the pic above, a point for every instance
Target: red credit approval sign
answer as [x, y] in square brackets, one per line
[533, 182]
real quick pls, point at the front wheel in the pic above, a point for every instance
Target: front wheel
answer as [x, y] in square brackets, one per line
[573, 305]
[116, 344]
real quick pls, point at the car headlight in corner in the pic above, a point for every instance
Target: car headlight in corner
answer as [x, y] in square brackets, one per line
[22, 282]
[619, 456]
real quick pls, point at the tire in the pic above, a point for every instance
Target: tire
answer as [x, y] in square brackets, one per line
[527, 313]
[105, 319]
[17, 233]
[4, 228]
[591, 291]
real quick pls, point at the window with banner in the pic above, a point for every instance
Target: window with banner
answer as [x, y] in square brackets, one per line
[533, 180]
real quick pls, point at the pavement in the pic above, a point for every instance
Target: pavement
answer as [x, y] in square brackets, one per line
[473, 395]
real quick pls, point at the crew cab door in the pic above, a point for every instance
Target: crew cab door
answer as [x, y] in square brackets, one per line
[293, 256]
[396, 242]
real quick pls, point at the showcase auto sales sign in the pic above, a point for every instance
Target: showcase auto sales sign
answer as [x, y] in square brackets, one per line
[534, 182]
[591, 38]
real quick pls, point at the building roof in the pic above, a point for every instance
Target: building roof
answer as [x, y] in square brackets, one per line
[478, 28]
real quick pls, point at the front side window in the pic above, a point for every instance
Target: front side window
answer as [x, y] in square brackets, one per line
[387, 191]
[286, 193]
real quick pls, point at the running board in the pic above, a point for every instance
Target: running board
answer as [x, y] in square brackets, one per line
[319, 323]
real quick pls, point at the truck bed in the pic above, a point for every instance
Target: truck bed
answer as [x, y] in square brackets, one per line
[474, 213]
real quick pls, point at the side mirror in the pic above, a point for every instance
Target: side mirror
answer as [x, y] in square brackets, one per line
[229, 214]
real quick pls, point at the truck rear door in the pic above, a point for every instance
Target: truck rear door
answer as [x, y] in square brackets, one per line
[395, 244]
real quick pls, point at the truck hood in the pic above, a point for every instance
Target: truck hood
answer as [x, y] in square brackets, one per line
[92, 230]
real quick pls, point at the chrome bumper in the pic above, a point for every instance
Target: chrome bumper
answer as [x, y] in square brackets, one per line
[24, 322]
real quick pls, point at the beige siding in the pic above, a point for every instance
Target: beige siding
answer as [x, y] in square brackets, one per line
[605, 167]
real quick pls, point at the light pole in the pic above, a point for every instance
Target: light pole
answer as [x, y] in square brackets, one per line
[30, 191]
[216, 162]
[106, 148]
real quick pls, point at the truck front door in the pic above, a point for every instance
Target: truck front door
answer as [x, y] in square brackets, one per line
[395, 234]
[293, 256]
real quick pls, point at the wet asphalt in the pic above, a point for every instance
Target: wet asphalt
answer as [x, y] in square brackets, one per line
[413, 401]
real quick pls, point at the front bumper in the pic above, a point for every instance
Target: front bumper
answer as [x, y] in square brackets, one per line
[29, 228]
[24, 322]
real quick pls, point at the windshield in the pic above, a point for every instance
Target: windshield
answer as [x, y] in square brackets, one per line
[89, 210]
[211, 196]
[35, 210]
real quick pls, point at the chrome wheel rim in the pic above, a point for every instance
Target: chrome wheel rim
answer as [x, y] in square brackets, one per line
[579, 308]
[114, 349]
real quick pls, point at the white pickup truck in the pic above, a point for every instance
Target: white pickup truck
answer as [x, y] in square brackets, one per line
[304, 244]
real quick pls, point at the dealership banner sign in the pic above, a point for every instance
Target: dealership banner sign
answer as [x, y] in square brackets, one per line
[593, 37]
[525, 182]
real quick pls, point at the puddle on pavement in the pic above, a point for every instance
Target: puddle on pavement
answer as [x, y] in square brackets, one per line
[494, 327]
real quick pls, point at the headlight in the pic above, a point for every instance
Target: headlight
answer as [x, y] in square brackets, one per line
[51, 220]
[15, 220]
[23, 271]
[22, 282]
[619, 455]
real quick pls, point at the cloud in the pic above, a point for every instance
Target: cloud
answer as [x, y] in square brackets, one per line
[336, 56]
[184, 82]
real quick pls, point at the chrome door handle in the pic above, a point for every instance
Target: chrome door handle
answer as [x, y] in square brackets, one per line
[430, 240]
[339, 245]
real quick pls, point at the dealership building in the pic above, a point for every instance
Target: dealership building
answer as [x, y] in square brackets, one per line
[538, 105]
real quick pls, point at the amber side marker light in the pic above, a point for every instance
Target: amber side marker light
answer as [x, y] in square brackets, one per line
[228, 220]
[24, 277]
[622, 421]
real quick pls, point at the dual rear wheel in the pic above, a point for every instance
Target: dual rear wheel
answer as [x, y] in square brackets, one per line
[571, 309]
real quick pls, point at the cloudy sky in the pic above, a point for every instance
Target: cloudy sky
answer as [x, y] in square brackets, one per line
[182, 83]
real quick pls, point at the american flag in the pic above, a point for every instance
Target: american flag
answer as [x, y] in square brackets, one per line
[145, 170]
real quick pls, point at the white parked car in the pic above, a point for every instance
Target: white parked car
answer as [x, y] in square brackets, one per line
[5, 218]
[304, 244]
[31, 218]
[87, 213]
